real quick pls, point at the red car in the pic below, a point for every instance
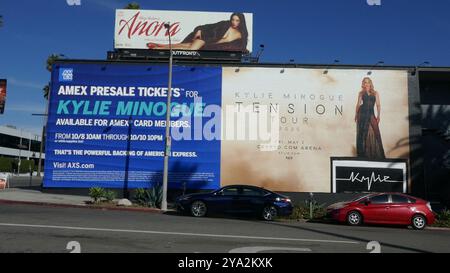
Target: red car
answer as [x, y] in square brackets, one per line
[384, 208]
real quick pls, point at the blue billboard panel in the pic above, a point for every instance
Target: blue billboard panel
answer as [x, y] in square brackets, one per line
[106, 126]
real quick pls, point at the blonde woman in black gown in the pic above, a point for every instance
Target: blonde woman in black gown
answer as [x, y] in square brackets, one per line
[368, 137]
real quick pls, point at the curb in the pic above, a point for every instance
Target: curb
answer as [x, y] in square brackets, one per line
[334, 222]
[46, 204]
[437, 228]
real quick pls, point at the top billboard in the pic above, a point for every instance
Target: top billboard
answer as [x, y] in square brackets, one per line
[189, 30]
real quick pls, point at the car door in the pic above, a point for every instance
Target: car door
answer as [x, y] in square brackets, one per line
[225, 200]
[376, 210]
[251, 200]
[399, 211]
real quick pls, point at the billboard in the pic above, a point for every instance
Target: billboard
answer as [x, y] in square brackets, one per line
[189, 30]
[359, 175]
[2, 95]
[106, 127]
[321, 115]
[277, 128]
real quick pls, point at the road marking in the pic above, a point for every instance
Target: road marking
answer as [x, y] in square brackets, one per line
[256, 249]
[178, 233]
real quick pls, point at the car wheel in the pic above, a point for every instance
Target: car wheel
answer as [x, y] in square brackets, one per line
[354, 218]
[419, 222]
[198, 208]
[269, 213]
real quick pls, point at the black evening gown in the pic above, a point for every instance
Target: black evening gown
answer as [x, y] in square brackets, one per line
[368, 137]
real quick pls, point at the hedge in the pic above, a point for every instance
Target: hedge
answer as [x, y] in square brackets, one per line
[6, 164]
[11, 164]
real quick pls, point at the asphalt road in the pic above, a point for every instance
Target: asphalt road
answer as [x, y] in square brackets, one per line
[27, 228]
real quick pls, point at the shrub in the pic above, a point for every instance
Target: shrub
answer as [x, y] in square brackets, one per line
[140, 197]
[109, 196]
[25, 166]
[97, 194]
[6, 164]
[155, 196]
[149, 198]
[319, 210]
[302, 211]
[443, 219]
[443, 215]
[299, 213]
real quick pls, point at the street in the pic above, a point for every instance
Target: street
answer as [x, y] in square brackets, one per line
[28, 228]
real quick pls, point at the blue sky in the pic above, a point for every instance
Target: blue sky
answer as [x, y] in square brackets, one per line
[399, 32]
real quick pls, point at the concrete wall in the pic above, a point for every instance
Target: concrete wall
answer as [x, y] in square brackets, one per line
[435, 119]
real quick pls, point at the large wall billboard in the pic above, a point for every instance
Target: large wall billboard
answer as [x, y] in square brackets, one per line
[189, 30]
[249, 125]
[317, 120]
[106, 126]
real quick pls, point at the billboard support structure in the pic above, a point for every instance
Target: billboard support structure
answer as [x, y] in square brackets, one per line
[184, 55]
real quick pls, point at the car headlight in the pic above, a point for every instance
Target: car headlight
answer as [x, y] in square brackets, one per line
[279, 199]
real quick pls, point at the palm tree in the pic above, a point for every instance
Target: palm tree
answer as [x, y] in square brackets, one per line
[132, 5]
[50, 61]
[46, 90]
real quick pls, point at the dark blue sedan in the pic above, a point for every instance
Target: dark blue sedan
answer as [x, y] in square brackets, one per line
[236, 199]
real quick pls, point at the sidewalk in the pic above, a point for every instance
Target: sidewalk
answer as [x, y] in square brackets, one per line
[36, 197]
[28, 195]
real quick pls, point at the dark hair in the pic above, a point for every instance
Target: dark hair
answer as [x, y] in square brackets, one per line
[242, 28]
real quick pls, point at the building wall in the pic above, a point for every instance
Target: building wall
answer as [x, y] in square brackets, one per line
[435, 106]
[10, 139]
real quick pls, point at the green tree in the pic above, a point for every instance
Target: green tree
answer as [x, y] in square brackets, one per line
[132, 5]
[6, 164]
[50, 61]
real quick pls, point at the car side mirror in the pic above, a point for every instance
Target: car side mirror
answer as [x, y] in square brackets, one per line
[219, 193]
[367, 202]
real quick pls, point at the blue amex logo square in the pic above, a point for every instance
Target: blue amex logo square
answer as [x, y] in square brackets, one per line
[66, 74]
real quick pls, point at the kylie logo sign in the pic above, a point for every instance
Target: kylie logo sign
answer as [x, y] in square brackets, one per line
[358, 175]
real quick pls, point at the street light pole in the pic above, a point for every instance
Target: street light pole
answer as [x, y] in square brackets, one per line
[41, 148]
[168, 139]
[44, 128]
[20, 152]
